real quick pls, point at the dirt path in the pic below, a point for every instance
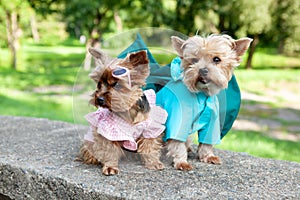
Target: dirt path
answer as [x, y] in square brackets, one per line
[276, 114]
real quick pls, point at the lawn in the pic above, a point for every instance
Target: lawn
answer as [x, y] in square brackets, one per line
[43, 86]
[258, 144]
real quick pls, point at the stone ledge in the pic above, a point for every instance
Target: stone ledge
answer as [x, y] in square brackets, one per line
[37, 162]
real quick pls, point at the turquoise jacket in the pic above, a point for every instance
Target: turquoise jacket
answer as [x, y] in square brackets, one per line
[189, 112]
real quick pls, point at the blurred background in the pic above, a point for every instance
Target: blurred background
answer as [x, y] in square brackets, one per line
[43, 45]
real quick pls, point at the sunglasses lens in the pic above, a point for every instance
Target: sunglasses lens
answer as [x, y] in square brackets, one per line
[119, 72]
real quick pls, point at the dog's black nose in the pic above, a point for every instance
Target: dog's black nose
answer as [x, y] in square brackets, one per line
[100, 101]
[203, 71]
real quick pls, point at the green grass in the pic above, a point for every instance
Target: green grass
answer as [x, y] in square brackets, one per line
[29, 90]
[40, 67]
[267, 58]
[256, 81]
[257, 144]
[22, 103]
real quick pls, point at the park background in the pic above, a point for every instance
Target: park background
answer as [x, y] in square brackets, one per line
[41, 52]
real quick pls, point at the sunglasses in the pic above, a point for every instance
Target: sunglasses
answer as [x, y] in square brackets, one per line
[119, 72]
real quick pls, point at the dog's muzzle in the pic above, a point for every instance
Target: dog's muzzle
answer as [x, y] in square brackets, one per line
[203, 72]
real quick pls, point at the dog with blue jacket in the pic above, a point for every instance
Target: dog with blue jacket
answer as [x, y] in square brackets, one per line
[203, 69]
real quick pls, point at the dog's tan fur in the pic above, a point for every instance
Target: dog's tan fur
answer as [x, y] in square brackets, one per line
[208, 64]
[122, 102]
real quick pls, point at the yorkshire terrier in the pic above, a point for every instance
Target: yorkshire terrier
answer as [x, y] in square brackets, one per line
[204, 67]
[127, 117]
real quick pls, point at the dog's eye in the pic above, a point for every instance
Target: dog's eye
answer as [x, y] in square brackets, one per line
[194, 60]
[116, 85]
[216, 60]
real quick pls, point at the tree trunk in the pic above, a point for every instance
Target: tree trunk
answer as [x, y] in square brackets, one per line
[12, 36]
[93, 41]
[34, 29]
[251, 51]
[118, 21]
[221, 23]
[281, 46]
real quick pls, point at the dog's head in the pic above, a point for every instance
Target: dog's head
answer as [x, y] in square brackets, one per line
[208, 62]
[118, 81]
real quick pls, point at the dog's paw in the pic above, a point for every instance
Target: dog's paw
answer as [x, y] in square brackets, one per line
[184, 166]
[110, 170]
[155, 166]
[91, 160]
[212, 160]
[86, 156]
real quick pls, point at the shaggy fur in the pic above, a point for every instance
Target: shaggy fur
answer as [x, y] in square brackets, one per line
[208, 64]
[125, 101]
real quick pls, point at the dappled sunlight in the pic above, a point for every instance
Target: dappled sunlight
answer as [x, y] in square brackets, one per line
[270, 128]
[268, 124]
[276, 115]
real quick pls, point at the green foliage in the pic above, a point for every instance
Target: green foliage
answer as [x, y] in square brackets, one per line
[275, 21]
[46, 7]
[4, 58]
[10, 5]
[84, 17]
[254, 17]
[23, 10]
[286, 29]
[183, 20]
[3, 42]
[51, 29]
[285, 16]
[144, 13]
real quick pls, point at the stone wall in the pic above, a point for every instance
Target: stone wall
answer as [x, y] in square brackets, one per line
[37, 161]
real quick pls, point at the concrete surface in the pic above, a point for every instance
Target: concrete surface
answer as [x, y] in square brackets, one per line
[37, 162]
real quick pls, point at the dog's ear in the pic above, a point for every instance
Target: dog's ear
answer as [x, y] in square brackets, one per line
[139, 69]
[138, 58]
[100, 57]
[241, 45]
[101, 60]
[177, 44]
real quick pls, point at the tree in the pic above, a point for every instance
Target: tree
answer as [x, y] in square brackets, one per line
[137, 13]
[239, 19]
[254, 19]
[11, 9]
[184, 16]
[91, 19]
[219, 15]
[285, 24]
